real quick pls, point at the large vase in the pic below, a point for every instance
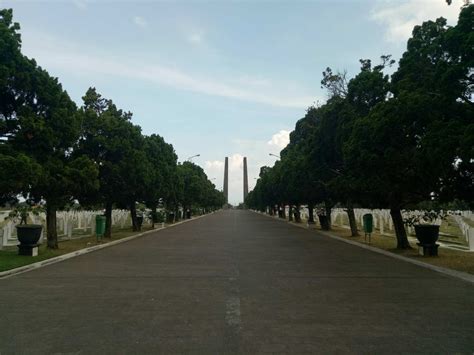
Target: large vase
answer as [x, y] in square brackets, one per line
[427, 233]
[28, 234]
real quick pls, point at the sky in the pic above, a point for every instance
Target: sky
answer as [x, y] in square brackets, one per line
[215, 78]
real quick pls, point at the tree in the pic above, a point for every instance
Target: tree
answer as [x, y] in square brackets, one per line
[40, 127]
[195, 188]
[116, 146]
[18, 169]
[163, 160]
[406, 150]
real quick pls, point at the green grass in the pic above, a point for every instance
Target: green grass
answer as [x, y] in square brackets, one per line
[448, 258]
[9, 258]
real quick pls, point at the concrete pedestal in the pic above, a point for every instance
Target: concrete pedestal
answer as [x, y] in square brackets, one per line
[28, 249]
[428, 249]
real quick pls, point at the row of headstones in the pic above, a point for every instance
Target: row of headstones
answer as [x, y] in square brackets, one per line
[466, 229]
[466, 214]
[70, 224]
[382, 220]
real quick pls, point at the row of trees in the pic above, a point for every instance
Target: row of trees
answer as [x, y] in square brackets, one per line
[55, 152]
[385, 141]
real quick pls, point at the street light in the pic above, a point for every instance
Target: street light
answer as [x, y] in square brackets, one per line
[187, 213]
[274, 155]
[194, 156]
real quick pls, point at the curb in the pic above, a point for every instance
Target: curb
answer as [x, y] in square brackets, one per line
[30, 267]
[449, 272]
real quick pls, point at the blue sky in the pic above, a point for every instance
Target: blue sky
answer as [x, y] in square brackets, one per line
[215, 78]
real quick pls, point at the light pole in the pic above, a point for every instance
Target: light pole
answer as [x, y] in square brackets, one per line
[194, 156]
[274, 155]
[186, 209]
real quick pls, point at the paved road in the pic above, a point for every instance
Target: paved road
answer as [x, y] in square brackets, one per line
[235, 282]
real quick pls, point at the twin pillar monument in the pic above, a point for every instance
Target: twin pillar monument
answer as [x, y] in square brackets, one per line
[226, 180]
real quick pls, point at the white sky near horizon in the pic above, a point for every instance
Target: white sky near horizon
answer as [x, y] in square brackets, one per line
[227, 78]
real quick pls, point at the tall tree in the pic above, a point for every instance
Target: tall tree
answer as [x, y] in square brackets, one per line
[117, 147]
[405, 149]
[163, 160]
[40, 127]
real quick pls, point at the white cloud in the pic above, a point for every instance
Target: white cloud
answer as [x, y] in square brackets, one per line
[257, 153]
[196, 37]
[214, 165]
[236, 162]
[140, 21]
[280, 139]
[55, 53]
[80, 4]
[215, 170]
[399, 17]
[254, 81]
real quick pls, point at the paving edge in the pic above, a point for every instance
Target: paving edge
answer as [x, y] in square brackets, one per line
[450, 272]
[30, 267]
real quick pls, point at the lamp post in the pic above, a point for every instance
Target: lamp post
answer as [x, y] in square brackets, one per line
[274, 155]
[194, 156]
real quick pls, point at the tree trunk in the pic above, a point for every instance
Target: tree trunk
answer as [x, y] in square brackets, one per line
[283, 211]
[352, 220]
[108, 220]
[51, 228]
[328, 207]
[153, 216]
[290, 213]
[297, 214]
[402, 239]
[133, 213]
[310, 214]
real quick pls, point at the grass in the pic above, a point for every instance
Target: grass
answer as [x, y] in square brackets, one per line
[9, 258]
[448, 258]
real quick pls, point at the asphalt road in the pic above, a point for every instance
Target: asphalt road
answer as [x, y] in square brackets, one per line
[235, 282]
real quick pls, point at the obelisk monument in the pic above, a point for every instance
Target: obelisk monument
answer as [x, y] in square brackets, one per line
[246, 180]
[226, 180]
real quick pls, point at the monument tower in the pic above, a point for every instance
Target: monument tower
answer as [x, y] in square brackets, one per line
[226, 180]
[246, 180]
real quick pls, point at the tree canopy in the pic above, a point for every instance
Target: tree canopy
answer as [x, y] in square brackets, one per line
[386, 141]
[54, 152]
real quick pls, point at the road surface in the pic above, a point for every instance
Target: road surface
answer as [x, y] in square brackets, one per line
[235, 282]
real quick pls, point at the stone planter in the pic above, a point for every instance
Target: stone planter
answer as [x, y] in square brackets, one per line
[427, 236]
[427, 233]
[28, 235]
